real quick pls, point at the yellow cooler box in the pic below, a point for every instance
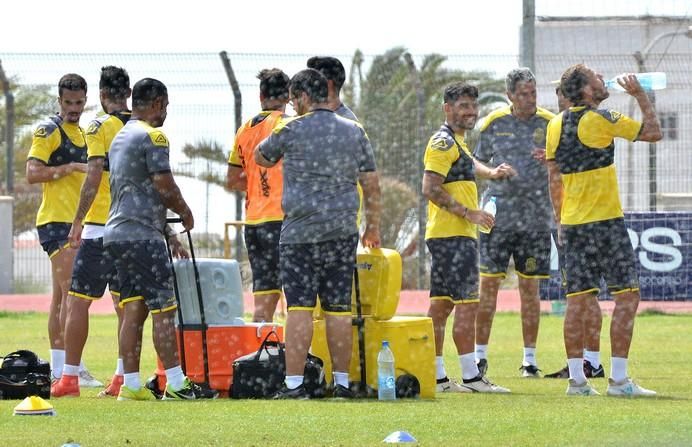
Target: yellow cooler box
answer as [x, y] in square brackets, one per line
[410, 338]
[379, 275]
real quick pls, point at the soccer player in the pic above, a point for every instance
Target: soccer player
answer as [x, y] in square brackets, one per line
[515, 135]
[593, 319]
[142, 190]
[57, 160]
[263, 186]
[450, 187]
[583, 187]
[324, 155]
[334, 71]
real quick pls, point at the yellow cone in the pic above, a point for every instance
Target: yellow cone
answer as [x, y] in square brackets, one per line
[34, 405]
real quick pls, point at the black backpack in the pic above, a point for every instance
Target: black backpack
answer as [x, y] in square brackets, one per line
[22, 374]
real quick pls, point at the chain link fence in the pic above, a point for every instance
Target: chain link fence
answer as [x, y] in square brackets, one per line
[397, 97]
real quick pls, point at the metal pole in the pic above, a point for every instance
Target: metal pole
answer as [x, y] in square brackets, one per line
[528, 35]
[9, 128]
[418, 143]
[238, 99]
[653, 183]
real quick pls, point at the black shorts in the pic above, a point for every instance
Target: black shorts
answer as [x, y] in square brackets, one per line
[324, 269]
[530, 250]
[599, 250]
[454, 269]
[53, 237]
[145, 273]
[262, 242]
[93, 269]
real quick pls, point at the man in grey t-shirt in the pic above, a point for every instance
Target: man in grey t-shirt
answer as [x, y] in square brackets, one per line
[324, 155]
[142, 189]
[515, 135]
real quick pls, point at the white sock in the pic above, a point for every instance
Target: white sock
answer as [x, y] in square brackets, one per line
[469, 369]
[576, 370]
[119, 369]
[70, 370]
[293, 382]
[175, 377]
[594, 357]
[81, 366]
[440, 372]
[131, 380]
[57, 362]
[481, 352]
[340, 378]
[618, 369]
[529, 356]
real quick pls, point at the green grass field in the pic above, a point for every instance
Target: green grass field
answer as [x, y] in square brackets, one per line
[536, 413]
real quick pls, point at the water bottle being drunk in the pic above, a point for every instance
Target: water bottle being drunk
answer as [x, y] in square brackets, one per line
[649, 81]
[386, 382]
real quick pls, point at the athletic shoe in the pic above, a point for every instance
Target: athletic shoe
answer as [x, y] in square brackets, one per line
[296, 393]
[130, 394]
[590, 371]
[448, 385]
[341, 392]
[190, 391]
[481, 384]
[562, 374]
[152, 384]
[581, 389]
[86, 380]
[531, 371]
[627, 388]
[113, 388]
[482, 366]
[66, 386]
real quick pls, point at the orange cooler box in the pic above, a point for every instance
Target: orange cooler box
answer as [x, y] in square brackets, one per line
[410, 338]
[224, 345]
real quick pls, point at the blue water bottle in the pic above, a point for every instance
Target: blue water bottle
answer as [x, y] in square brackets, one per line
[386, 382]
[649, 81]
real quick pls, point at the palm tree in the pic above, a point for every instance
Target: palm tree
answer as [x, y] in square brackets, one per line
[388, 107]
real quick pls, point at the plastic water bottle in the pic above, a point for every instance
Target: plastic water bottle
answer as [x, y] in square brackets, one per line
[491, 208]
[649, 81]
[386, 383]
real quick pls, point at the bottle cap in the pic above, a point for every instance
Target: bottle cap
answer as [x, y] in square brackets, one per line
[385, 343]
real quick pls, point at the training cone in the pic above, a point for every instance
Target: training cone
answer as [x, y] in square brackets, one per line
[34, 406]
[399, 437]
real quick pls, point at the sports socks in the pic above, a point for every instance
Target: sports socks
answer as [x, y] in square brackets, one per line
[481, 352]
[529, 356]
[119, 369]
[469, 369]
[57, 361]
[341, 378]
[70, 370]
[131, 380]
[175, 377]
[576, 370]
[440, 372]
[618, 369]
[594, 357]
[293, 382]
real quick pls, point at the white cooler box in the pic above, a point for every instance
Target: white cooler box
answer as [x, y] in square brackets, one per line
[222, 291]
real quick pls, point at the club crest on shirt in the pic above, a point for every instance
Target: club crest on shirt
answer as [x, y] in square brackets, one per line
[41, 132]
[93, 128]
[441, 143]
[159, 139]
